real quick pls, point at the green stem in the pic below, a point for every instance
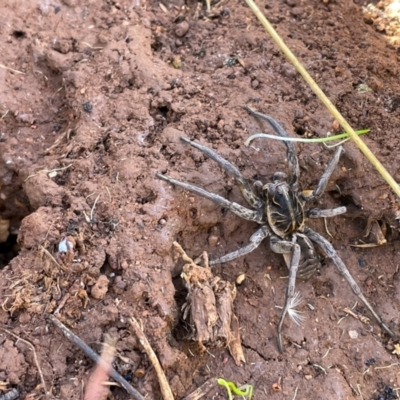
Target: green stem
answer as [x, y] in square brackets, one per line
[245, 390]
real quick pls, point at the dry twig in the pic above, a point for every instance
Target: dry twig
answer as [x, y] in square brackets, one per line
[95, 357]
[164, 385]
[58, 141]
[47, 171]
[12, 69]
[202, 390]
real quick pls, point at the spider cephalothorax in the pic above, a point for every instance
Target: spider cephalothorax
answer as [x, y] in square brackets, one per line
[279, 208]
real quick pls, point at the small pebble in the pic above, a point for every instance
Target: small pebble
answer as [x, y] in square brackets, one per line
[212, 240]
[87, 107]
[353, 334]
[181, 29]
[119, 285]
[240, 279]
[100, 288]
[255, 84]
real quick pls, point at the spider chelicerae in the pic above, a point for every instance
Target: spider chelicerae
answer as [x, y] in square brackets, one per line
[279, 207]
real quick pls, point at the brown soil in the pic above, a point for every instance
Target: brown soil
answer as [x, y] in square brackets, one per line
[106, 90]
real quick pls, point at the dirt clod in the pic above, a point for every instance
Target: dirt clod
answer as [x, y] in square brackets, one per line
[100, 288]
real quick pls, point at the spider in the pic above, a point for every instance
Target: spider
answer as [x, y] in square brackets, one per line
[279, 207]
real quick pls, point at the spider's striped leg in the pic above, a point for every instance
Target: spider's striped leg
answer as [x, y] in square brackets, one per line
[291, 151]
[255, 241]
[231, 170]
[331, 253]
[323, 181]
[328, 213]
[236, 208]
[284, 247]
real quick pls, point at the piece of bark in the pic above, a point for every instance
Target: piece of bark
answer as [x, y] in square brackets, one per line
[209, 306]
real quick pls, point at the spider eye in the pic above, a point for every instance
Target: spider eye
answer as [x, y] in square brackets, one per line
[279, 176]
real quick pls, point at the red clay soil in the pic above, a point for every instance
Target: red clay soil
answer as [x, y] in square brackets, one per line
[94, 97]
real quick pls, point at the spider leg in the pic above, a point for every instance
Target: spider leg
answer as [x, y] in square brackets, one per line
[284, 247]
[331, 253]
[291, 151]
[255, 240]
[323, 181]
[332, 212]
[231, 170]
[236, 208]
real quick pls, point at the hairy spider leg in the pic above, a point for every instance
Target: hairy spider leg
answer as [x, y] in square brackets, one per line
[325, 246]
[231, 170]
[255, 240]
[323, 181]
[285, 247]
[294, 169]
[328, 213]
[236, 208]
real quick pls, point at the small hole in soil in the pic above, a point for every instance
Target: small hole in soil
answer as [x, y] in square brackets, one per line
[163, 111]
[193, 213]
[181, 330]
[300, 131]
[150, 197]
[19, 34]
[8, 250]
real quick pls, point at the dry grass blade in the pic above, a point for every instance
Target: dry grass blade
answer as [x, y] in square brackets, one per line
[164, 385]
[35, 358]
[324, 99]
[202, 390]
[11, 69]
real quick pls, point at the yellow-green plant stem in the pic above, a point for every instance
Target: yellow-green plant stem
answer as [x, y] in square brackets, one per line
[245, 390]
[320, 94]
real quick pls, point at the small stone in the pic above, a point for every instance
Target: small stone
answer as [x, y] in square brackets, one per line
[353, 334]
[212, 240]
[181, 29]
[119, 285]
[240, 279]
[297, 12]
[308, 377]
[255, 84]
[292, 3]
[100, 288]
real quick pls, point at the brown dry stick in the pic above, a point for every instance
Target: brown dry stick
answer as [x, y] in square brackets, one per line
[164, 385]
[200, 392]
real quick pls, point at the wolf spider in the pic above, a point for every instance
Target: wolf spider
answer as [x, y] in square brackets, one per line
[279, 208]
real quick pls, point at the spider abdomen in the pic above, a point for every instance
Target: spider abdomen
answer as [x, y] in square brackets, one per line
[284, 209]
